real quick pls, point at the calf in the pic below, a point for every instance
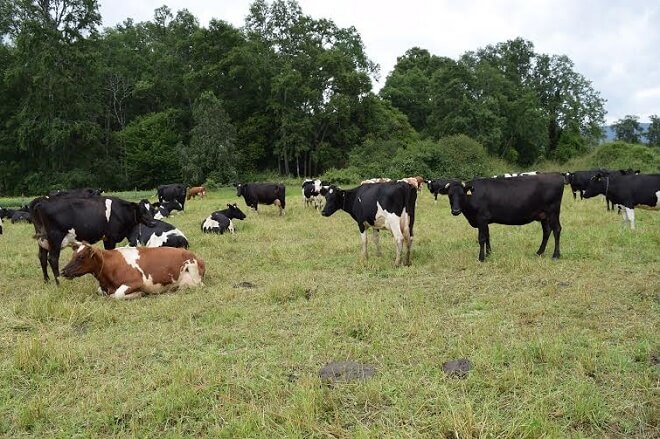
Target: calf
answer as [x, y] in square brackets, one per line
[129, 272]
[512, 201]
[388, 206]
[628, 191]
[172, 193]
[264, 193]
[437, 186]
[195, 191]
[220, 220]
[61, 220]
[161, 234]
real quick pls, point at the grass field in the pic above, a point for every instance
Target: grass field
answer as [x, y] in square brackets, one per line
[564, 348]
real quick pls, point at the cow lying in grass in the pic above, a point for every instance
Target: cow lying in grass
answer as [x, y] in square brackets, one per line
[129, 272]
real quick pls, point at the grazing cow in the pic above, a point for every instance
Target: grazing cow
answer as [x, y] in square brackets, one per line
[59, 221]
[195, 191]
[437, 186]
[171, 193]
[162, 234]
[129, 272]
[627, 190]
[264, 193]
[512, 201]
[388, 206]
[221, 220]
[376, 180]
[311, 191]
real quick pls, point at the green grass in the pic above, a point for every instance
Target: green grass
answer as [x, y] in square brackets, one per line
[560, 348]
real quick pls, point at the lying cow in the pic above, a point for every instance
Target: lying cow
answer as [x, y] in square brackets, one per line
[262, 193]
[221, 220]
[388, 206]
[129, 272]
[512, 201]
[195, 191]
[161, 234]
[628, 191]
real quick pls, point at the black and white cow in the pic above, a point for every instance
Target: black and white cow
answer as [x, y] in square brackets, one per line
[311, 191]
[627, 190]
[262, 193]
[59, 221]
[171, 193]
[437, 186]
[515, 174]
[162, 210]
[512, 201]
[161, 234]
[20, 215]
[76, 193]
[388, 206]
[221, 220]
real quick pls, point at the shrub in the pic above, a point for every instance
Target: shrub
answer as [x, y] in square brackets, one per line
[618, 155]
[346, 176]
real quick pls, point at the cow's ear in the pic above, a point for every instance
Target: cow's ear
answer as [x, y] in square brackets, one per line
[228, 205]
[75, 244]
[447, 185]
[467, 187]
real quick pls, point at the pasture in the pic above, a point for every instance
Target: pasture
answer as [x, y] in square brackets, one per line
[559, 348]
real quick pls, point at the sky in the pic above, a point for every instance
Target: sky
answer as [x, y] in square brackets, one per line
[613, 43]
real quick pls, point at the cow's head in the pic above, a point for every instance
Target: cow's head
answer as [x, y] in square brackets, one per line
[597, 185]
[457, 192]
[235, 212]
[85, 259]
[334, 199]
[143, 213]
[568, 177]
[239, 189]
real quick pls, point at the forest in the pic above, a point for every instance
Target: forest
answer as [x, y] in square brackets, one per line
[145, 103]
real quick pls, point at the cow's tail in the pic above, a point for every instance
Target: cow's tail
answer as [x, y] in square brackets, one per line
[411, 203]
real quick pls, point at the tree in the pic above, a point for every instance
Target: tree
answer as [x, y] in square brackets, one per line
[653, 131]
[211, 152]
[628, 129]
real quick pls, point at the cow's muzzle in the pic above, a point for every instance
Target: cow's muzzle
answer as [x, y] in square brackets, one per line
[456, 212]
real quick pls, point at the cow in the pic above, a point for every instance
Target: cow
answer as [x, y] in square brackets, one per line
[512, 201]
[311, 191]
[76, 193]
[129, 272]
[163, 210]
[264, 193]
[21, 216]
[579, 180]
[195, 191]
[416, 182]
[515, 174]
[60, 221]
[376, 180]
[626, 190]
[388, 206]
[173, 192]
[162, 234]
[437, 186]
[221, 220]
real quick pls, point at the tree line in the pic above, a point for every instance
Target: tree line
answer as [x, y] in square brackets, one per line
[145, 103]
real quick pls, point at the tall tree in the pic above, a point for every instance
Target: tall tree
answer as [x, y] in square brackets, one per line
[653, 131]
[628, 129]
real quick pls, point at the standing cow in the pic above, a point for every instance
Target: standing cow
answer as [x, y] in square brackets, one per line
[388, 206]
[437, 186]
[60, 221]
[512, 201]
[262, 193]
[173, 193]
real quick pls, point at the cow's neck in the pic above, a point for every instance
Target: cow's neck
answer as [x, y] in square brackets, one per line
[349, 202]
[468, 210]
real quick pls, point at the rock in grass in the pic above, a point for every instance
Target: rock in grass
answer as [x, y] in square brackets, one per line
[457, 368]
[245, 285]
[345, 371]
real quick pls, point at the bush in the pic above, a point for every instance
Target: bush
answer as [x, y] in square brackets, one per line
[346, 176]
[619, 155]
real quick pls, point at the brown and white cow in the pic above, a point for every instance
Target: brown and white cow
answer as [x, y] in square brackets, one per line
[197, 190]
[376, 180]
[416, 182]
[129, 272]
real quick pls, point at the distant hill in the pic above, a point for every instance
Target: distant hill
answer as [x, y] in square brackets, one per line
[610, 134]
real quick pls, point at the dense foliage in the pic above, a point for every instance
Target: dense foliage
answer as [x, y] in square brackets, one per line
[142, 104]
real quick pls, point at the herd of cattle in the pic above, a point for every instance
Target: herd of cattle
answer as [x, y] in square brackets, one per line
[157, 257]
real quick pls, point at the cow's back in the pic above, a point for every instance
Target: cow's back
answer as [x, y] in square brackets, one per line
[163, 264]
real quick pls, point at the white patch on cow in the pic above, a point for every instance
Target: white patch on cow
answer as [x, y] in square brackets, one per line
[43, 243]
[158, 241]
[231, 227]
[189, 275]
[108, 208]
[317, 185]
[69, 238]
[210, 224]
[330, 191]
[120, 293]
[147, 206]
[100, 291]
[158, 216]
[131, 255]
[80, 248]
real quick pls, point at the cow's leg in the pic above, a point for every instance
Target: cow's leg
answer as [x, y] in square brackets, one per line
[483, 238]
[408, 239]
[545, 226]
[581, 194]
[574, 195]
[126, 292]
[625, 216]
[54, 261]
[631, 217]
[363, 237]
[555, 225]
[376, 236]
[43, 259]
[436, 197]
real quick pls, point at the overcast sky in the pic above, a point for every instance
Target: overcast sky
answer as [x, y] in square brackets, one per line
[613, 43]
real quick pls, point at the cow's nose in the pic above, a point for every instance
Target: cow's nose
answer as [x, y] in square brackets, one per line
[455, 212]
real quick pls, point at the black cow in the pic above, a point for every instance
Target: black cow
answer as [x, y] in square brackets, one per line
[171, 193]
[626, 190]
[437, 187]
[388, 206]
[220, 220]
[77, 193]
[60, 221]
[512, 201]
[161, 234]
[264, 193]
[20, 215]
